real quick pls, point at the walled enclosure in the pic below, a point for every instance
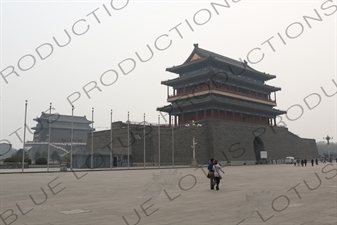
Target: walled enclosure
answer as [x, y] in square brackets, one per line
[215, 139]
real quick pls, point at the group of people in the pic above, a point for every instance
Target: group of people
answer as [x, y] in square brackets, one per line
[214, 170]
[304, 162]
[214, 173]
[325, 160]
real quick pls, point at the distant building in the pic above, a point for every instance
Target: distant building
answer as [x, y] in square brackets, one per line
[60, 129]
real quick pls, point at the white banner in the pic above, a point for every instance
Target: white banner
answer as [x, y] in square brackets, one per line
[263, 154]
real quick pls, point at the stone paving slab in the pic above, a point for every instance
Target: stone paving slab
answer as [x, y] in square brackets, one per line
[263, 194]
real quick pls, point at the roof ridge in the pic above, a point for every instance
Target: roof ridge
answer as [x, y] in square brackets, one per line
[57, 114]
[244, 63]
[222, 56]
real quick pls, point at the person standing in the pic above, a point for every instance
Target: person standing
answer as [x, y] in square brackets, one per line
[217, 176]
[211, 173]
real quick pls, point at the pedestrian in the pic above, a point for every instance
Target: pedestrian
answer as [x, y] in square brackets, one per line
[305, 162]
[298, 161]
[294, 161]
[316, 161]
[217, 176]
[312, 162]
[302, 162]
[211, 173]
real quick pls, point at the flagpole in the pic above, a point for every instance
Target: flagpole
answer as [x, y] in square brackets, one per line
[111, 140]
[159, 141]
[172, 144]
[24, 138]
[128, 141]
[144, 140]
[49, 129]
[72, 136]
[92, 139]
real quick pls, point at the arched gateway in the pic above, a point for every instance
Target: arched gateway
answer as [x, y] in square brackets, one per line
[258, 147]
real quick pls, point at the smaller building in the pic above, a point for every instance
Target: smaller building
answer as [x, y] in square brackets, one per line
[61, 128]
[60, 133]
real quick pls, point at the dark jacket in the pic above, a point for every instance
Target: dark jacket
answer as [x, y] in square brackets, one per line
[210, 167]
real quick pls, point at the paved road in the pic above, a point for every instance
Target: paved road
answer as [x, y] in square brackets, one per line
[263, 194]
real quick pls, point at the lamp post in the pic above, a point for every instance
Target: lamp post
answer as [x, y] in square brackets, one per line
[128, 140]
[111, 161]
[72, 136]
[92, 138]
[327, 138]
[49, 136]
[194, 143]
[159, 141]
[172, 144]
[24, 138]
[144, 142]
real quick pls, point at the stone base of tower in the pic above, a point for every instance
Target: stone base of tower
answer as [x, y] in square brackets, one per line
[227, 141]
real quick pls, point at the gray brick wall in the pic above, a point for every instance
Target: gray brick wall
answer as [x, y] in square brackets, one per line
[214, 139]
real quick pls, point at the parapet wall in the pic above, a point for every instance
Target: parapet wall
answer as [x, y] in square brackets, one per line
[220, 139]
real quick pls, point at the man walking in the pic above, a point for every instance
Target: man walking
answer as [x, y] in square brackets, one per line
[211, 173]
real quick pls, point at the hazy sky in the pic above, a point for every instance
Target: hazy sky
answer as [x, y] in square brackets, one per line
[106, 35]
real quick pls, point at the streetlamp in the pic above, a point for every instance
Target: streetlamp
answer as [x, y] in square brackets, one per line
[49, 135]
[327, 138]
[159, 141]
[193, 127]
[144, 142]
[128, 140]
[72, 136]
[92, 138]
[172, 124]
[111, 161]
[24, 138]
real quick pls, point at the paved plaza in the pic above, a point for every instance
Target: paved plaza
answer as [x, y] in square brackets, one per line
[264, 194]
